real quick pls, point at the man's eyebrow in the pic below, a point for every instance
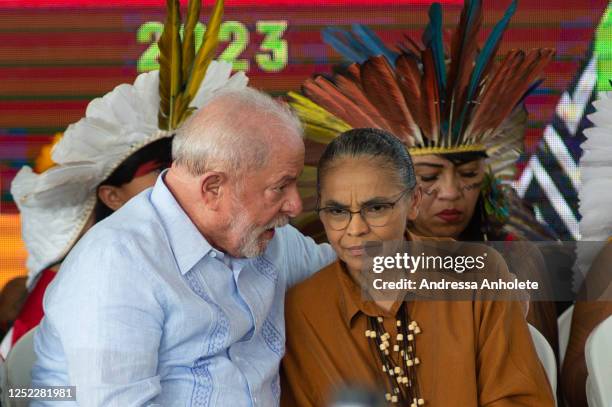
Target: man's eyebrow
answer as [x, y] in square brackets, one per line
[286, 178]
[429, 165]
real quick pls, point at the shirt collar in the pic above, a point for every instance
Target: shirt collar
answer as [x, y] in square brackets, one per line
[186, 241]
[351, 297]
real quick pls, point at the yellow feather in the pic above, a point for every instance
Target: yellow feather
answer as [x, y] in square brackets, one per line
[44, 161]
[191, 20]
[205, 54]
[170, 81]
[319, 124]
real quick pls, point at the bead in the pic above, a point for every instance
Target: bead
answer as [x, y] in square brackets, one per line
[379, 319]
[388, 396]
[398, 323]
[391, 373]
[413, 405]
[421, 402]
[402, 353]
[405, 380]
[367, 333]
[381, 346]
[396, 348]
[400, 337]
[416, 361]
[409, 348]
[384, 368]
[393, 399]
[372, 334]
[409, 362]
[397, 370]
[417, 330]
[400, 379]
[386, 351]
[411, 327]
[410, 337]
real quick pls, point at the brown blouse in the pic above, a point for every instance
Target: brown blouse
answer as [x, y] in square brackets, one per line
[472, 353]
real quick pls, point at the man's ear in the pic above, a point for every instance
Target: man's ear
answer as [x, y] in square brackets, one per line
[111, 196]
[213, 185]
[415, 203]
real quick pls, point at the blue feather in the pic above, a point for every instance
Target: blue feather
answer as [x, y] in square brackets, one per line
[435, 25]
[486, 54]
[482, 61]
[344, 43]
[374, 45]
[474, 5]
[528, 92]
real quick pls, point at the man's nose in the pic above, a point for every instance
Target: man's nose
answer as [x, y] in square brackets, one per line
[292, 206]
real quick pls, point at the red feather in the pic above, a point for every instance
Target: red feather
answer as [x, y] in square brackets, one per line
[430, 98]
[380, 86]
[409, 80]
[354, 92]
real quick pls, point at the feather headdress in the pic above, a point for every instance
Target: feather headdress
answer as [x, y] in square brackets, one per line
[596, 181]
[435, 106]
[466, 101]
[56, 204]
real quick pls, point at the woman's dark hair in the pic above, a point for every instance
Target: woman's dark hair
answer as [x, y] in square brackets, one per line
[374, 143]
[159, 151]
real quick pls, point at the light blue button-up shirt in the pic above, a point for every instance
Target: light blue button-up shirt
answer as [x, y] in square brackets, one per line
[145, 312]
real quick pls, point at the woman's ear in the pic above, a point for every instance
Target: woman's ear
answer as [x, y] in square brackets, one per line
[415, 203]
[111, 196]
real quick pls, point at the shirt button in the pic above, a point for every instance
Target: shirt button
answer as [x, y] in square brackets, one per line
[213, 254]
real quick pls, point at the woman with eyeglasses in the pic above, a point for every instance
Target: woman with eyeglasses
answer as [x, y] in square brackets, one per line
[461, 115]
[439, 353]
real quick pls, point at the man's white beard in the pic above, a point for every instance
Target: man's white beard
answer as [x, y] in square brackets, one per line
[250, 244]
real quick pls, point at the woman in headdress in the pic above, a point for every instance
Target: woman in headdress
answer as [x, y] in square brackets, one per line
[462, 121]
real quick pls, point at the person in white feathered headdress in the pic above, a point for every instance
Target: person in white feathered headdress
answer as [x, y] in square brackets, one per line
[592, 276]
[113, 153]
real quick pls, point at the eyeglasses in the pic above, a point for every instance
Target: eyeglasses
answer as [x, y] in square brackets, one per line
[375, 214]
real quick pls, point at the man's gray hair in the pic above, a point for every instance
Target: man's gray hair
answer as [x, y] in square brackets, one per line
[234, 133]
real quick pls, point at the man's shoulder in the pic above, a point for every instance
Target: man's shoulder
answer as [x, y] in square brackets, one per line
[286, 239]
[124, 237]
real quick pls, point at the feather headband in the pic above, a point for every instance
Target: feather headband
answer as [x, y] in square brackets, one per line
[472, 103]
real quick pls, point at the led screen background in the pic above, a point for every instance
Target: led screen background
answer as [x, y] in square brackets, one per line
[55, 56]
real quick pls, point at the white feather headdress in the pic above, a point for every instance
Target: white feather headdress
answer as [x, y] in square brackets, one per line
[595, 192]
[56, 204]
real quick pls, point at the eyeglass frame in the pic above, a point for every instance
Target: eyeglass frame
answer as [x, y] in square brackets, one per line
[351, 213]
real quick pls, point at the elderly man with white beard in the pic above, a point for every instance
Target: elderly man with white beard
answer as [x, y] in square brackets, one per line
[177, 298]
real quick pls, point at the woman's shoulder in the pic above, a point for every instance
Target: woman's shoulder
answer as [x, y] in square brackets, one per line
[317, 291]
